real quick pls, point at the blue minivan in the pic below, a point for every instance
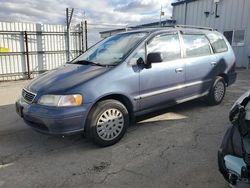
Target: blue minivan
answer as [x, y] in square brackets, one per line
[125, 75]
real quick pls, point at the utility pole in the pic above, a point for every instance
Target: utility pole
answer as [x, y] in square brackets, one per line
[69, 14]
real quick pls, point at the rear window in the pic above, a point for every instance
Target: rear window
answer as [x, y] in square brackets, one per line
[196, 45]
[218, 43]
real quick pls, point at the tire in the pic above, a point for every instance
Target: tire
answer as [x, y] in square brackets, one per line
[107, 123]
[217, 91]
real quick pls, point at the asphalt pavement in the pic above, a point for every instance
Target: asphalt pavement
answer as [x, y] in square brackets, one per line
[173, 148]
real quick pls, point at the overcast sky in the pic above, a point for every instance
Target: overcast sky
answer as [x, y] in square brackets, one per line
[114, 13]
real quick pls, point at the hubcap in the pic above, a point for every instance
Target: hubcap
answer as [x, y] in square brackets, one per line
[110, 124]
[219, 91]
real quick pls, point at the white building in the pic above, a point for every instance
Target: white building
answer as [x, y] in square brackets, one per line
[230, 17]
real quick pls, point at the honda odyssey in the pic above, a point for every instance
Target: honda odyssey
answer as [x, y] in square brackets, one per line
[126, 75]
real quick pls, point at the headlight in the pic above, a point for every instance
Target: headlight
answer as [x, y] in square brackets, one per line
[61, 100]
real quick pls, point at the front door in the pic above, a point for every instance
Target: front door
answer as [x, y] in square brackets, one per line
[163, 81]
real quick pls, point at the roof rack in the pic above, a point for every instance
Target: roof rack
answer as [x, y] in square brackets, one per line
[194, 27]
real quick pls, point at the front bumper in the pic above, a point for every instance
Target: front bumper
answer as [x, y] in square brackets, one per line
[53, 120]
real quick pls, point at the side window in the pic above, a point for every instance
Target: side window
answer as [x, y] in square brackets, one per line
[140, 53]
[168, 45]
[217, 42]
[196, 45]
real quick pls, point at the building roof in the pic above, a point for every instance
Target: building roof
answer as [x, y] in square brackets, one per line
[182, 2]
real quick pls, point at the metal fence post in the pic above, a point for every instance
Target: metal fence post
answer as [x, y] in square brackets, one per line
[82, 37]
[69, 15]
[27, 53]
[67, 36]
[86, 35]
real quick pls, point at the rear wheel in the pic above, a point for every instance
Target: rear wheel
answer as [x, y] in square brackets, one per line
[217, 92]
[108, 122]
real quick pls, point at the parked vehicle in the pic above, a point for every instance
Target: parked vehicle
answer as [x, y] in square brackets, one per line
[126, 75]
[234, 153]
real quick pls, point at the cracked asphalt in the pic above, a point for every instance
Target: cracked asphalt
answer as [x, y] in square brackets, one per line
[173, 148]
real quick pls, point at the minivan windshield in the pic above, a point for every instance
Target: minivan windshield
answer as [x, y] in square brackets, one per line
[112, 50]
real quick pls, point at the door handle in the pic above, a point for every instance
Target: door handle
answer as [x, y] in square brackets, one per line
[178, 70]
[213, 63]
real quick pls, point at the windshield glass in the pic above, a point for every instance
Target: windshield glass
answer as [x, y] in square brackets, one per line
[112, 50]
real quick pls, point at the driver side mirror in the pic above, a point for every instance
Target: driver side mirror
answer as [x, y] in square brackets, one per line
[154, 57]
[136, 61]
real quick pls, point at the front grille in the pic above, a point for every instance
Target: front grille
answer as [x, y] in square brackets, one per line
[28, 96]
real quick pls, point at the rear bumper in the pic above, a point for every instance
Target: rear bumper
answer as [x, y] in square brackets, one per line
[53, 120]
[232, 78]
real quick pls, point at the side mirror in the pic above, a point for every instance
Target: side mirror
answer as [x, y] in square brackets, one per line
[136, 61]
[154, 57]
[140, 61]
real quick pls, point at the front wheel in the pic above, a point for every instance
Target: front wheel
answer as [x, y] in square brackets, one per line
[108, 122]
[217, 91]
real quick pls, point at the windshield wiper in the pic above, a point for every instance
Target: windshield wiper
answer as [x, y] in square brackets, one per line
[86, 62]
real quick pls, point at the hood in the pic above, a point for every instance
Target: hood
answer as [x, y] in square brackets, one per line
[64, 77]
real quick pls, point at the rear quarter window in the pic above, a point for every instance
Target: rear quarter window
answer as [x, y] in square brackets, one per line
[218, 43]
